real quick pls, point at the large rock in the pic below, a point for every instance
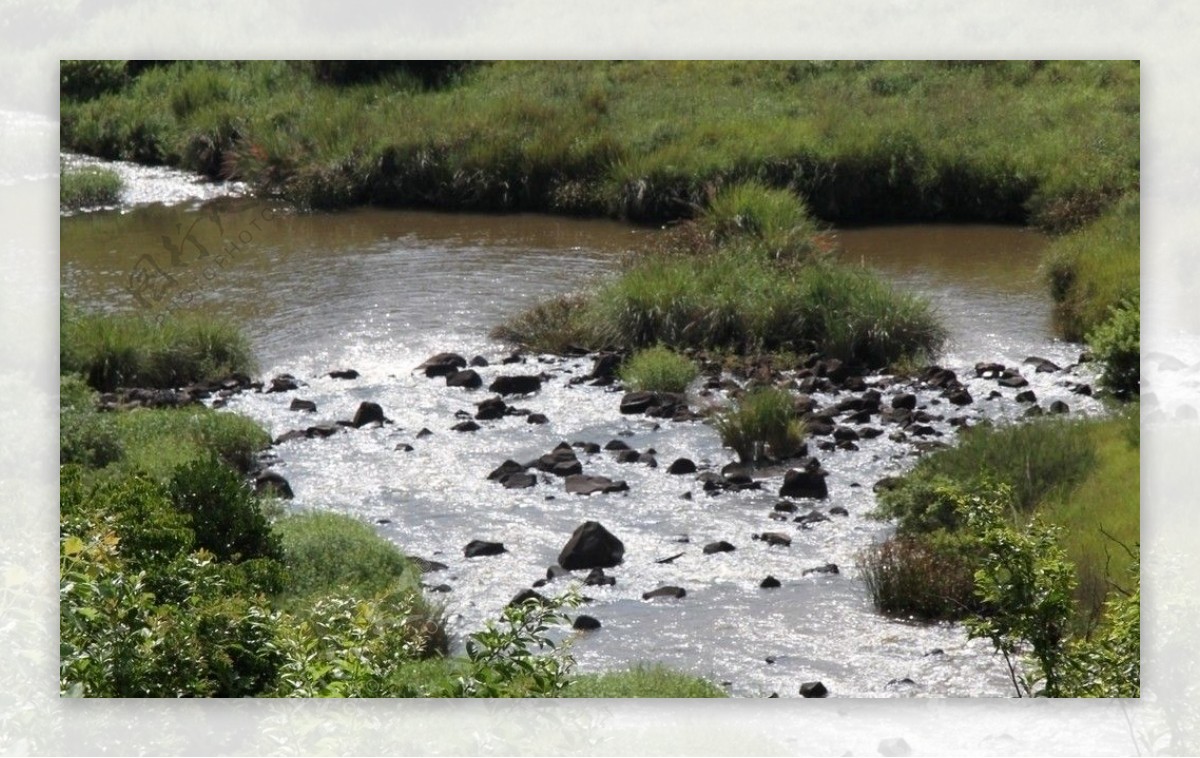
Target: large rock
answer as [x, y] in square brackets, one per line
[467, 379]
[479, 548]
[591, 546]
[720, 546]
[504, 469]
[797, 483]
[269, 482]
[656, 404]
[443, 364]
[682, 466]
[343, 373]
[491, 409]
[813, 689]
[581, 484]
[667, 591]
[1042, 365]
[303, 405]
[283, 383]
[516, 385]
[367, 413]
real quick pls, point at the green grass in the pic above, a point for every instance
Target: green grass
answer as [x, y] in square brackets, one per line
[658, 369]
[129, 350]
[88, 188]
[761, 425]
[642, 681]
[1095, 270]
[925, 576]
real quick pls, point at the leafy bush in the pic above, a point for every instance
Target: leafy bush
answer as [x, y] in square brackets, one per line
[505, 659]
[927, 576]
[1108, 662]
[658, 369]
[1117, 343]
[88, 188]
[88, 438]
[762, 424]
[225, 515]
[643, 681]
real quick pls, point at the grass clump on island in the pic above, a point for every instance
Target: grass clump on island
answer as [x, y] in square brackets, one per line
[658, 369]
[131, 350]
[762, 425]
[80, 188]
[740, 280]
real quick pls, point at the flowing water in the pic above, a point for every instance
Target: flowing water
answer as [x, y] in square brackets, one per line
[380, 291]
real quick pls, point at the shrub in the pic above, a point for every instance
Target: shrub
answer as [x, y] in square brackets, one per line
[114, 351]
[225, 515]
[643, 681]
[157, 441]
[1108, 662]
[775, 218]
[88, 188]
[658, 369]
[88, 438]
[86, 80]
[761, 425]
[1117, 343]
[927, 576]
[506, 659]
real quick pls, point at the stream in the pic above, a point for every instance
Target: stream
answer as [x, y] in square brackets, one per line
[380, 291]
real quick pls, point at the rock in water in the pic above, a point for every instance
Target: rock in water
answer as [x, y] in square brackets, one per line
[367, 413]
[479, 548]
[591, 546]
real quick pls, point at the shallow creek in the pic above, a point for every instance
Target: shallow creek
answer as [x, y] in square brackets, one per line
[381, 291]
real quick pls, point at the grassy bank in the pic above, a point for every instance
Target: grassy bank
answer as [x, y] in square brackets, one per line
[1064, 529]
[1052, 142]
[88, 188]
[130, 350]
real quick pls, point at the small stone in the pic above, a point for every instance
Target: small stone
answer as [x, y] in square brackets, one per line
[769, 583]
[585, 623]
[813, 689]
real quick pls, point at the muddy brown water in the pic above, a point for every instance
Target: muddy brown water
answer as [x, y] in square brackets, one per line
[379, 291]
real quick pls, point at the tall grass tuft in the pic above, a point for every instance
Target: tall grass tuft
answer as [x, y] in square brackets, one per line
[921, 576]
[88, 188]
[658, 369]
[114, 351]
[641, 681]
[777, 220]
[762, 425]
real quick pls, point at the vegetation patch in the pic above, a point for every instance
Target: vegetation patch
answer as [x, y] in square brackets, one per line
[129, 350]
[762, 425]
[643, 681]
[88, 188]
[658, 369]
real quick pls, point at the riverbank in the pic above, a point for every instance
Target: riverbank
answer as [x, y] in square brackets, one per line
[1054, 144]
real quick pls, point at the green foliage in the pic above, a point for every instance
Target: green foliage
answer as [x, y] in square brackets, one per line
[775, 218]
[762, 425]
[1108, 663]
[88, 438]
[1117, 343]
[926, 576]
[1036, 459]
[1096, 270]
[350, 647]
[157, 441]
[88, 188]
[225, 515]
[506, 659]
[328, 552]
[1025, 583]
[87, 80]
[642, 681]
[131, 351]
[658, 369]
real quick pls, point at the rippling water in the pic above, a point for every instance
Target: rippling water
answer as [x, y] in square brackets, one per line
[380, 291]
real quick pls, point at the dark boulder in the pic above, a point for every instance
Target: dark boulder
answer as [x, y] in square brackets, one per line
[1042, 366]
[597, 578]
[838, 510]
[367, 413]
[465, 426]
[283, 383]
[518, 481]
[775, 539]
[527, 596]
[479, 361]
[505, 469]
[467, 379]
[537, 418]
[516, 385]
[585, 623]
[1012, 379]
[605, 366]
[294, 434]
[491, 409]
[905, 400]
[813, 689]
[423, 433]
[580, 484]
[667, 591]
[810, 518]
[1059, 406]
[404, 447]
[443, 364]
[988, 370]
[616, 445]
[844, 434]
[959, 396]
[797, 483]
[721, 546]
[628, 456]
[769, 583]
[941, 378]
[682, 466]
[591, 546]
[1026, 396]
[343, 373]
[303, 405]
[869, 432]
[480, 548]
[819, 427]
[269, 482]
